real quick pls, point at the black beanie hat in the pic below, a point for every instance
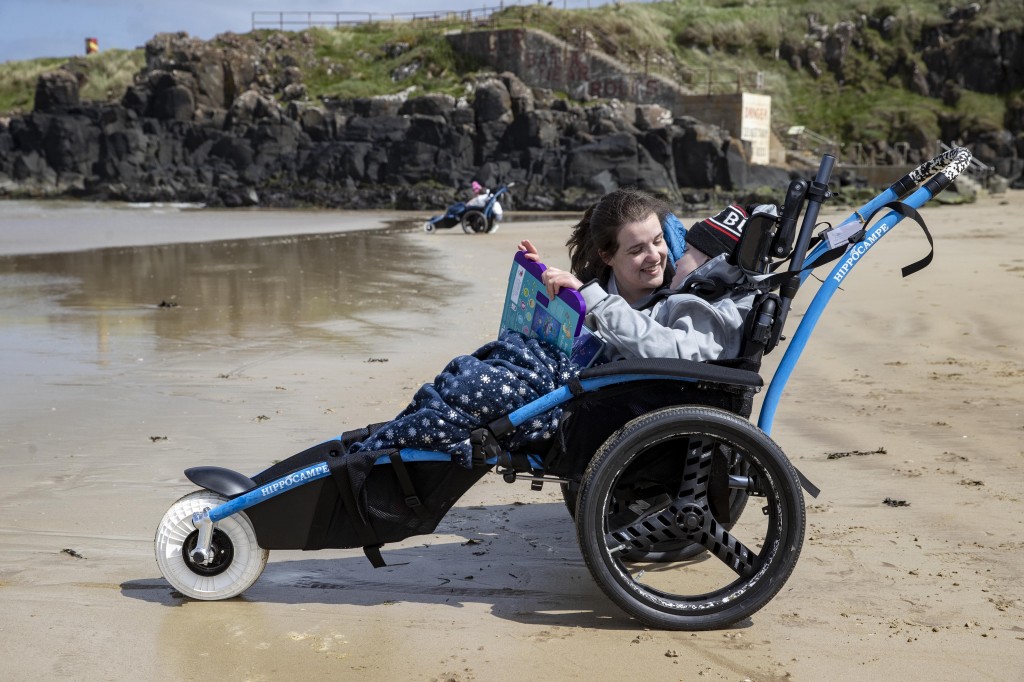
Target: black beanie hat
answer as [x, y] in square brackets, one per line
[718, 234]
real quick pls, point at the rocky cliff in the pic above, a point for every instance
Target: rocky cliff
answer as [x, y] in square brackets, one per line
[228, 125]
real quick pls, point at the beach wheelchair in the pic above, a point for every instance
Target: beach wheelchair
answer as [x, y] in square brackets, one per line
[688, 516]
[480, 215]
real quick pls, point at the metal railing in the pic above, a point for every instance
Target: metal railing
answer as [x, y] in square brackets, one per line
[801, 138]
[291, 20]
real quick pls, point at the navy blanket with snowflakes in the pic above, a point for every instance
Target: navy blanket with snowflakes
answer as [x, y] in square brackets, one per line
[473, 390]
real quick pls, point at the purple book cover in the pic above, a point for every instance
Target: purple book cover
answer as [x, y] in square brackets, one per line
[528, 310]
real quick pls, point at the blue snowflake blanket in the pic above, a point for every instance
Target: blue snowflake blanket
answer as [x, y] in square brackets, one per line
[473, 390]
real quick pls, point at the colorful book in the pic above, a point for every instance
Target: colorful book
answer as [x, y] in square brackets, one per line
[558, 321]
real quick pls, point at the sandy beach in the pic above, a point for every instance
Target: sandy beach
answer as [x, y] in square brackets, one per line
[273, 340]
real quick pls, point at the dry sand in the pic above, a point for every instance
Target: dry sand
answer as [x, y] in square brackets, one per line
[923, 374]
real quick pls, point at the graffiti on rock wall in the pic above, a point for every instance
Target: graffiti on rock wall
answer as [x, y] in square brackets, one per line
[577, 67]
[638, 89]
[545, 66]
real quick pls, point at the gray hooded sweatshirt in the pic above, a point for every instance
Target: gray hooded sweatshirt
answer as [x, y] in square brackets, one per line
[677, 326]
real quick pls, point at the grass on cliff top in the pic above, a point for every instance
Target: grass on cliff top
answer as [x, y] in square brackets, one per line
[18, 83]
[376, 59]
[102, 76]
[720, 46]
[705, 45]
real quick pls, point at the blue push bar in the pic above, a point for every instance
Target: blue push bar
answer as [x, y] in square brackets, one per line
[824, 294]
[926, 180]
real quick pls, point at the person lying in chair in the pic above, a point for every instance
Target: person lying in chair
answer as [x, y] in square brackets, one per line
[645, 307]
[641, 304]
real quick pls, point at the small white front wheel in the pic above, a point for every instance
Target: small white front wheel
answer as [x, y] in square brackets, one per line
[428, 227]
[237, 559]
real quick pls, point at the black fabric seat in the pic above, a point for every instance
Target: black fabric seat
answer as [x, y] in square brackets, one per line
[590, 419]
[713, 372]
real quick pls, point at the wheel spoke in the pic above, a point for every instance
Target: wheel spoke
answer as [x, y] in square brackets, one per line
[684, 520]
[644, 532]
[697, 468]
[726, 547]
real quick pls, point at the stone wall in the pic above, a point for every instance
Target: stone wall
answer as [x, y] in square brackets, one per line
[545, 61]
[542, 60]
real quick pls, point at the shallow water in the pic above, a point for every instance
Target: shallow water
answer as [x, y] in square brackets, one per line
[89, 311]
[32, 227]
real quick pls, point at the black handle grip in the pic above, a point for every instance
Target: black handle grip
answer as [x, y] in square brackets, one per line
[791, 206]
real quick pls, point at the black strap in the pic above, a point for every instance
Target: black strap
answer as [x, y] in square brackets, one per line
[485, 446]
[834, 254]
[372, 553]
[360, 524]
[412, 500]
[326, 508]
[911, 212]
[708, 288]
[806, 484]
[773, 281]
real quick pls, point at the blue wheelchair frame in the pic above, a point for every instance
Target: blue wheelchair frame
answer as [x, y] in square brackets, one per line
[940, 173]
[456, 213]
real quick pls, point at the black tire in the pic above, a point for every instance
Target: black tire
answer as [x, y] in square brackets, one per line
[474, 222]
[655, 483]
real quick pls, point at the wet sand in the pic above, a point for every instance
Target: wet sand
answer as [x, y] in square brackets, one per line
[270, 345]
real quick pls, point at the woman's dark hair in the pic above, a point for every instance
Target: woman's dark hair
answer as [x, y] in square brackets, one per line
[598, 231]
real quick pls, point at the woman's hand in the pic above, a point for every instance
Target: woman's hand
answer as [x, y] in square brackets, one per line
[554, 280]
[530, 250]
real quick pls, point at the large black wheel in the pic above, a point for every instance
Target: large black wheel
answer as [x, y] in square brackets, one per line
[670, 481]
[474, 222]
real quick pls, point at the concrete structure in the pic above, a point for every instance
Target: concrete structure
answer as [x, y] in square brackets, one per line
[745, 115]
[542, 60]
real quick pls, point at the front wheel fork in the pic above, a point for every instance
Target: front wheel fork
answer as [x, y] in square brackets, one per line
[201, 552]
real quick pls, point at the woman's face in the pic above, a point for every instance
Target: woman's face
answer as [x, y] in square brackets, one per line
[639, 262]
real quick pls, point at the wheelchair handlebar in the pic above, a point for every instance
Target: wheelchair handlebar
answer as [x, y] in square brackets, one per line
[936, 174]
[924, 182]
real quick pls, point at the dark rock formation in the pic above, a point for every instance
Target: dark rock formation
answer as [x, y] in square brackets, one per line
[228, 123]
[56, 91]
[214, 124]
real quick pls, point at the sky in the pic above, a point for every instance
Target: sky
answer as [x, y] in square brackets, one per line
[58, 28]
